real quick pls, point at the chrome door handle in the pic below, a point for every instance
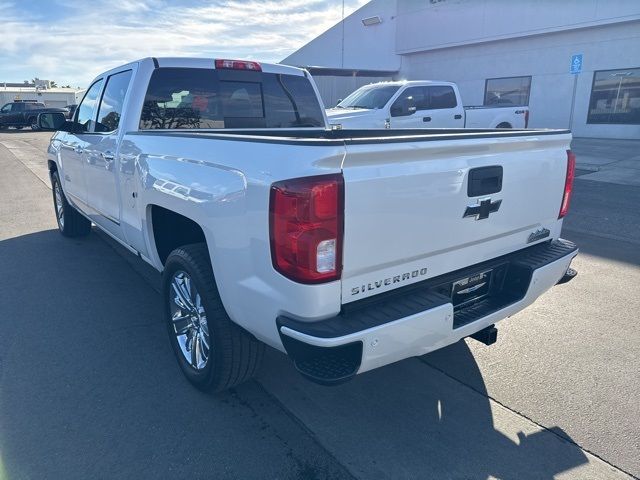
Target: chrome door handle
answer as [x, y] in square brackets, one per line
[78, 149]
[108, 156]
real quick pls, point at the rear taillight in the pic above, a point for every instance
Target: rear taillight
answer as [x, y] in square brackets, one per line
[568, 183]
[238, 65]
[306, 223]
[526, 118]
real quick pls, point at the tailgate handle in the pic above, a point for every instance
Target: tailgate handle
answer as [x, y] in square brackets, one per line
[426, 119]
[484, 181]
[457, 117]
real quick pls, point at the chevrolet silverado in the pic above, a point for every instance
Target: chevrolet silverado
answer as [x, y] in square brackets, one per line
[346, 249]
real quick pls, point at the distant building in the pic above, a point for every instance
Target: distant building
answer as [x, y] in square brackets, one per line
[41, 91]
[498, 52]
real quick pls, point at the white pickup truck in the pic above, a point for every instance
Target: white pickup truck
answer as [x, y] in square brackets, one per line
[348, 250]
[420, 104]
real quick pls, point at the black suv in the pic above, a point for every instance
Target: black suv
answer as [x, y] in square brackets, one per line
[24, 114]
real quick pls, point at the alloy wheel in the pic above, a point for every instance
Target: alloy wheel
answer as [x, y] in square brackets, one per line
[189, 320]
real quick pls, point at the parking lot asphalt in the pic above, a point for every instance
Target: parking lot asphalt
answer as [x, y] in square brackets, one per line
[89, 387]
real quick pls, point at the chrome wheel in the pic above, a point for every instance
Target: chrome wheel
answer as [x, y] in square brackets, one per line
[189, 320]
[59, 205]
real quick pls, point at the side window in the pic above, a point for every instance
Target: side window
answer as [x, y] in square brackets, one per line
[441, 96]
[18, 107]
[6, 108]
[112, 102]
[87, 108]
[412, 99]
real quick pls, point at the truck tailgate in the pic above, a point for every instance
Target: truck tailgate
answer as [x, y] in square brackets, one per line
[405, 203]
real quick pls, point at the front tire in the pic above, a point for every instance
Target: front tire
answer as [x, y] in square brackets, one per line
[33, 123]
[70, 222]
[213, 352]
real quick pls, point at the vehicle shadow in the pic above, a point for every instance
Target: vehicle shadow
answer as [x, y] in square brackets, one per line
[411, 420]
[88, 384]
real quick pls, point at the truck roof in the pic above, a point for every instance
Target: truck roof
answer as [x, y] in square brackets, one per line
[411, 83]
[194, 62]
[199, 62]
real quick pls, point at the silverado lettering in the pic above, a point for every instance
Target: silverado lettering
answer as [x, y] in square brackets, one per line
[388, 281]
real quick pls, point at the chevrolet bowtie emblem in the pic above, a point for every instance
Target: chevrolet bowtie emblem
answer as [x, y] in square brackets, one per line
[483, 209]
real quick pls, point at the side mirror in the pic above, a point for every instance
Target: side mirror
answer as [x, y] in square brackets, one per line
[52, 121]
[339, 100]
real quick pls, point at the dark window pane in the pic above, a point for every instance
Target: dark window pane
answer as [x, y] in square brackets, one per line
[413, 98]
[291, 101]
[507, 91]
[112, 102]
[441, 96]
[615, 97]
[86, 110]
[207, 98]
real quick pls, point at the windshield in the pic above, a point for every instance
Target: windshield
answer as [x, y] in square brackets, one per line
[369, 97]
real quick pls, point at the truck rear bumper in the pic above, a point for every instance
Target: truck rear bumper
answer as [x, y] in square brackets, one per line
[421, 318]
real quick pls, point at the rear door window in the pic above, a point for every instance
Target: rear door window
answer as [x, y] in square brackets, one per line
[441, 96]
[180, 98]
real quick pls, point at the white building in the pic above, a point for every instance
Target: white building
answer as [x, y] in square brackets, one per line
[51, 97]
[496, 51]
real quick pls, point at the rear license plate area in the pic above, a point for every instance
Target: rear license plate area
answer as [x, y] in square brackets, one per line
[471, 289]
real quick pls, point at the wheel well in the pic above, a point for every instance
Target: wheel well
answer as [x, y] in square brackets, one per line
[52, 166]
[504, 125]
[172, 230]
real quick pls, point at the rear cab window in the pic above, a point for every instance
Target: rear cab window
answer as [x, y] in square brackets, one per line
[198, 98]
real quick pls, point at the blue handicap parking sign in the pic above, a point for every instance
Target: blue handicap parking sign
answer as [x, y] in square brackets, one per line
[576, 64]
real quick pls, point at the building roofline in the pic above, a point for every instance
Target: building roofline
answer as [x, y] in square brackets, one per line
[348, 72]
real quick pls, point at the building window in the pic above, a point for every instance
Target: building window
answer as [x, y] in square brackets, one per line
[615, 97]
[507, 91]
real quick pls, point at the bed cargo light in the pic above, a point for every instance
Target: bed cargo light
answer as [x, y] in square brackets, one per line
[306, 223]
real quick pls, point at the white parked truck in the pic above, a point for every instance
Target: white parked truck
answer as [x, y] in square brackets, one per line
[420, 104]
[348, 250]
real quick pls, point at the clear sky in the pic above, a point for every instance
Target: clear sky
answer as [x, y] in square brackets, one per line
[72, 41]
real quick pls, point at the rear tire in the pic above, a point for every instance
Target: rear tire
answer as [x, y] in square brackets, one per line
[213, 352]
[70, 222]
[33, 123]
[504, 125]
